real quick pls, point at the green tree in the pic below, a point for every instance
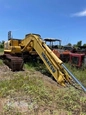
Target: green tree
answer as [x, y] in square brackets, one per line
[2, 44]
[69, 44]
[84, 44]
[79, 43]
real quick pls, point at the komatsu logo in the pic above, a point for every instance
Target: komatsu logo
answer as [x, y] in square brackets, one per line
[48, 62]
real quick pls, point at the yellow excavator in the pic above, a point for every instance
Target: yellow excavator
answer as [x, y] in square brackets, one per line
[16, 50]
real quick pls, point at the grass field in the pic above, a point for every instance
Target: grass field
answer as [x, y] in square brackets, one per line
[39, 92]
[1, 50]
[33, 92]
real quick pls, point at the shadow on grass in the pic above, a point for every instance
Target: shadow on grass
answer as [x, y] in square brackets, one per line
[39, 66]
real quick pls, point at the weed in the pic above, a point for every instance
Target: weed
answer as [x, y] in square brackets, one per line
[30, 66]
[1, 62]
[78, 73]
[1, 50]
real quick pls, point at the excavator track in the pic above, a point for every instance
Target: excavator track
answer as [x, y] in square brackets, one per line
[15, 63]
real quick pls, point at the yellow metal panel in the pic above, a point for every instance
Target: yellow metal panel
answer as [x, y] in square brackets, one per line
[7, 51]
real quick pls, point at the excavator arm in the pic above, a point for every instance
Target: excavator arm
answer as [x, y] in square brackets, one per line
[52, 62]
[56, 67]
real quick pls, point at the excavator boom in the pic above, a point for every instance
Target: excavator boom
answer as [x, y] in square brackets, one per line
[52, 62]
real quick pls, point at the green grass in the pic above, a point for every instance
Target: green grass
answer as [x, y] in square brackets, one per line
[20, 83]
[29, 66]
[78, 73]
[1, 50]
[1, 62]
[68, 99]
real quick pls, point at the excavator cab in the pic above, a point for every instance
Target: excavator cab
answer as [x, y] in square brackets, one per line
[12, 46]
[59, 51]
[53, 43]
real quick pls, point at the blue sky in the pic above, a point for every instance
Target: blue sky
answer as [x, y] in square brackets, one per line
[62, 19]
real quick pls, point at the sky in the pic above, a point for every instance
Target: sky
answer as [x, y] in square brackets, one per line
[59, 19]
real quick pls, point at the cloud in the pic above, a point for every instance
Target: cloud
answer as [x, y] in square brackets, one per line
[79, 14]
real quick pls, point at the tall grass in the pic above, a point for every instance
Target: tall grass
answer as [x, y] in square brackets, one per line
[1, 50]
[79, 73]
[1, 62]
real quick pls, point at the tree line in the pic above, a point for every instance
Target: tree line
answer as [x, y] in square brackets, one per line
[79, 43]
[2, 44]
